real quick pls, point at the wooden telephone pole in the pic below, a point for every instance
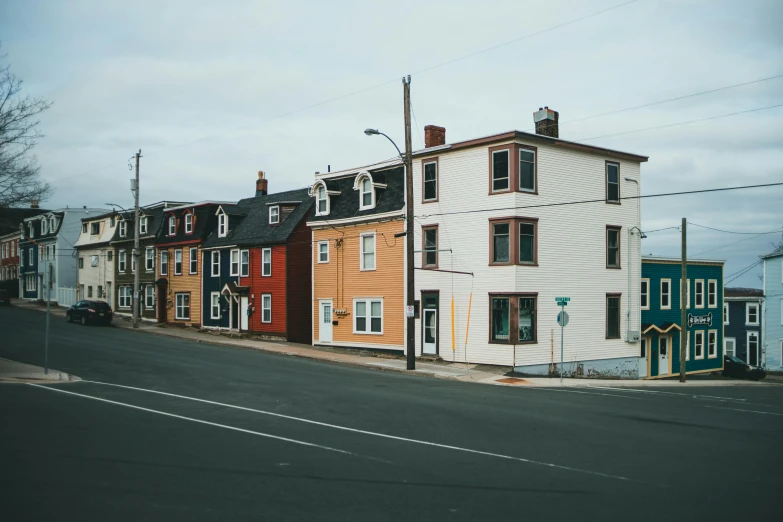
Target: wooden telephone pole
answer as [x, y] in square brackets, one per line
[136, 253]
[410, 344]
[684, 302]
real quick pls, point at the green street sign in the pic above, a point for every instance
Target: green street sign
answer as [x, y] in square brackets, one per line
[566, 299]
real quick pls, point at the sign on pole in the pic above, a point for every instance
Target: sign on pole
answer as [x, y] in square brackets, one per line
[409, 311]
[562, 319]
[562, 301]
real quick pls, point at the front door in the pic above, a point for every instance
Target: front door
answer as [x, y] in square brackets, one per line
[243, 317]
[663, 355]
[234, 313]
[325, 321]
[643, 357]
[430, 331]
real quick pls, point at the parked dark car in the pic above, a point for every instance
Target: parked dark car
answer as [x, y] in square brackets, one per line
[5, 297]
[735, 367]
[93, 312]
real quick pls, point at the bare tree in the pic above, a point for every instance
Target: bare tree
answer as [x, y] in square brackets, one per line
[20, 182]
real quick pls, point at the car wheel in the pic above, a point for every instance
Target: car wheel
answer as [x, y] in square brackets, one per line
[68, 318]
[84, 321]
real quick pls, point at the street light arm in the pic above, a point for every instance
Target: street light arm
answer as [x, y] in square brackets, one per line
[371, 132]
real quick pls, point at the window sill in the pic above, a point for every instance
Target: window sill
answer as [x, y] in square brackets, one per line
[614, 267]
[367, 270]
[506, 191]
[425, 201]
[612, 202]
[527, 264]
[368, 333]
[430, 267]
[501, 263]
[614, 337]
[508, 343]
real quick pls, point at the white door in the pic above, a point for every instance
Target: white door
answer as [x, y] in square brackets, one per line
[243, 307]
[325, 321]
[730, 346]
[643, 357]
[663, 355]
[430, 332]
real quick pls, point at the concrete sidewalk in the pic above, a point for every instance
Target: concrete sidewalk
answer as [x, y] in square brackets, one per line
[12, 371]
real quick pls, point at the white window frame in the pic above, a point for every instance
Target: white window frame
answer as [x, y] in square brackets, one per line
[711, 346]
[643, 293]
[725, 342]
[318, 252]
[362, 192]
[318, 199]
[172, 225]
[712, 296]
[726, 309]
[669, 294]
[747, 346]
[149, 297]
[214, 305]
[123, 228]
[122, 261]
[274, 217]
[149, 259]
[189, 223]
[44, 227]
[698, 334]
[191, 260]
[697, 294]
[178, 253]
[233, 261]
[687, 294]
[362, 266]
[30, 255]
[222, 225]
[244, 263]
[31, 227]
[52, 224]
[177, 296]
[125, 301]
[143, 225]
[265, 308]
[747, 314]
[164, 256]
[368, 318]
[264, 264]
[215, 272]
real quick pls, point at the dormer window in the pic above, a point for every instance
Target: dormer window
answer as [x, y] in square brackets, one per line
[188, 223]
[43, 227]
[322, 202]
[172, 225]
[95, 229]
[143, 225]
[30, 229]
[274, 215]
[123, 228]
[222, 225]
[367, 194]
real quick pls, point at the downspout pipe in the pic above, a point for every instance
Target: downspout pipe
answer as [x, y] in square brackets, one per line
[630, 234]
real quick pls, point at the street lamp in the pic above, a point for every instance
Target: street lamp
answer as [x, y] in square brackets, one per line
[373, 132]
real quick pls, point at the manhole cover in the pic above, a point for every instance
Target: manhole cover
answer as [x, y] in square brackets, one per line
[512, 380]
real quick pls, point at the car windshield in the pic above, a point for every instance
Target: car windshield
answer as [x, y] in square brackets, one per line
[735, 359]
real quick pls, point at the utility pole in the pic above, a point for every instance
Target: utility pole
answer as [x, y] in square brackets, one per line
[136, 252]
[48, 313]
[411, 324]
[684, 302]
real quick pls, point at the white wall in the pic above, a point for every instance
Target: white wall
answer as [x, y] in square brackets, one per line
[571, 255]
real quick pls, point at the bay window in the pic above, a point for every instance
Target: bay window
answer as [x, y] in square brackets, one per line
[513, 318]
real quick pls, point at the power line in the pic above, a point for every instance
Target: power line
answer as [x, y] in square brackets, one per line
[733, 232]
[603, 200]
[736, 242]
[742, 272]
[660, 230]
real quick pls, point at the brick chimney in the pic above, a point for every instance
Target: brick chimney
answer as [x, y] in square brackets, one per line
[434, 136]
[34, 203]
[261, 184]
[546, 122]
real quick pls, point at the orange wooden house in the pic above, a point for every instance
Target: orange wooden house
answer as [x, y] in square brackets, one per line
[358, 263]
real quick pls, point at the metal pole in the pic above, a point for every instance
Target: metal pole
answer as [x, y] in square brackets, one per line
[48, 312]
[683, 302]
[411, 324]
[136, 248]
[562, 330]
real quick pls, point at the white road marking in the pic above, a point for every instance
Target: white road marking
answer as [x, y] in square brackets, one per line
[658, 392]
[582, 392]
[746, 411]
[251, 432]
[371, 433]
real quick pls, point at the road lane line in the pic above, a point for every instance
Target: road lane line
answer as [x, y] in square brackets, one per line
[658, 392]
[251, 432]
[543, 388]
[371, 433]
[746, 411]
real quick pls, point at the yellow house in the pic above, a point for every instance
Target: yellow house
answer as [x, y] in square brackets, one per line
[358, 262]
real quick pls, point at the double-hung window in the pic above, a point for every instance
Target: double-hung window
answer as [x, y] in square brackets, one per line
[244, 263]
[178, 261]
[188, 223]
[430, 254]
[513, 319]
[215, 264]
[527, 170]
[234, 263]
[430, 181]
[644, 295]
[193, 259]
[274, 215]
[527, 242]
[725, 313]
[266, 308]
[513, 241]
[501, 170]
[712, 293]
[266, 262]
[698, 344]
[323, 251]
[164, 262]
[124, 299]
[149, 297]
[612, 316]
[666, 294]
[367, 194]
[222, 225]
[143, 225]
[612, 247]
[172, 225]
[214, 305]
[95, 229]
[122, 260]
[751, 314]
[367, 243]
[182, 308]
[149, 259]
[368, 316]
[698, 290]
[612, 182]
[123, 228]
[322, 202]
[501, 243]
[31, 253]
[712, 344]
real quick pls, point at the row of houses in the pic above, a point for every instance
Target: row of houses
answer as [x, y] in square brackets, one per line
[495, 245]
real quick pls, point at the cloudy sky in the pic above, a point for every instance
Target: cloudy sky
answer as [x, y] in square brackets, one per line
[212, 92]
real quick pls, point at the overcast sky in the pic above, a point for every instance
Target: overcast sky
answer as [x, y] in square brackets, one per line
[194, 85]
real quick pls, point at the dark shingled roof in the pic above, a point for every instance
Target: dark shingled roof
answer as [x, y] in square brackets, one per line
[10, 218]
[154, 223]
[255, 230]
[205, 221]
[346, 204]
[743, 292]
[36, 221]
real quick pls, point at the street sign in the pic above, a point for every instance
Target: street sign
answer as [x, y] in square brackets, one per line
[562, 319]
[566, 299]
[409, 311]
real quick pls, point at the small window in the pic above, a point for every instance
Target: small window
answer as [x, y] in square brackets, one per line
[123, 228]
[110, 255]
[274, 215]
[751, 314]
[500, 171]
[222, 225]
[612, 247]
[527, 243]
[95, 229]
[122, 261]
[193, 258]
[367, 251]
[430, 180]
[164, 262]
[81, 262]
[93, 260]
[712, 293]
[178, 262]
[182, 311]
[149, 259]
[712, 344]
[84, 229]
[188, 223]
[367, 194]
[527, 170]
[266, 308]
[43, 227]
[323, 251]
[322, 202]
[644, 298]
[215, 264]
[234, 263]
[643, 347]
[149, 297]
[612, 316]
[698, 289]
[612, 182]
[430, 254]
[666, 290]
[368, 316]
[172, 225]
[143, 225]
[698, 344]
[214, 308]
[89, 291]
[725, 313]
[244, 263]
[501, 248]
[266, 262]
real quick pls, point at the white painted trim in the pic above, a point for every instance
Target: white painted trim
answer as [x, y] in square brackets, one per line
[424, 164]
[241, 265]
[263, 264]
[362, 268]
[190, 260]
[214, 265]
[231, 264]
[714, 355]
[669, 307]
[368, 317]
[357, 219]
[647, 293]
[696, 335]
[174, 223]
[714, 304]
[270, 308]
[176, 307]
[747, 314]
[318, 251]
[747, 346]
[212, 296]
[188, 215]
[725, 341]
[277, 216]
[222, 224]
[696, 293]
[726, 313]
[181, 257]
[376, 346]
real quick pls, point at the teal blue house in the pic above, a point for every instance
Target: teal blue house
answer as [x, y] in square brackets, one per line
[661, 316]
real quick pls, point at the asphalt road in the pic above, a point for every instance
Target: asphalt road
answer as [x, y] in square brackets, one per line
[278, 438]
